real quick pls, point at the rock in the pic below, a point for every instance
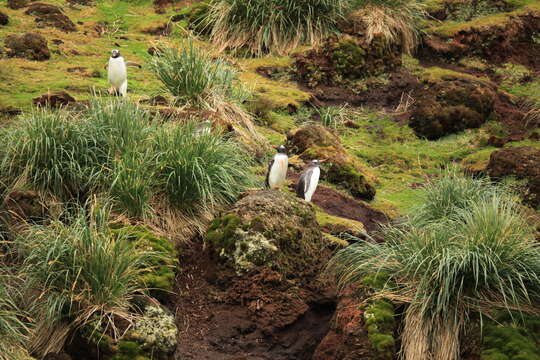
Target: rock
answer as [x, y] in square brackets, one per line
[153, 335]
[30, 45]
[155, 331]
[521, 162]
[4, 19]
[50, 15]
[54, 100]
[347, 57]
[268, 228]
[317, 142]
[449, 106]
[17, 4]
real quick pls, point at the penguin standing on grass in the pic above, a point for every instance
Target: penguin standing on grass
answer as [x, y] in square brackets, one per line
[307, 184]
[117, 73]
[277, 168]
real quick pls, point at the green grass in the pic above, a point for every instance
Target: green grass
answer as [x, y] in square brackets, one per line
[468, 249]
[80, 273]
[276, 26]
[116, 149]
[14, 324]
[192, 77]
[399, 159]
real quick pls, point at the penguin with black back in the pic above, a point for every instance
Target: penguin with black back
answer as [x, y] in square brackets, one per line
[277, 168]
[117, 73]
[307, 184]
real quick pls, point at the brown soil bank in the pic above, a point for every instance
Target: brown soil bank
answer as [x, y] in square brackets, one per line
[510, 39]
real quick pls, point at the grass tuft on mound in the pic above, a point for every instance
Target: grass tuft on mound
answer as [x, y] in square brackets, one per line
[272, 26]
[467, 250]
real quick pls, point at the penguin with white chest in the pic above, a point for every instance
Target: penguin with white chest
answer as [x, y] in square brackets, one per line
[277, 168]
[307, 184]
[117, 73]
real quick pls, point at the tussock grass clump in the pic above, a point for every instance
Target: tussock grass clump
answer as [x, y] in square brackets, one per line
[80, 274]
[195, 79]
[475, 255]
[192, 77]
[263, 26]
[332, 117]
[114, 149]
[13, 327]
[397, 21]
[199, 167]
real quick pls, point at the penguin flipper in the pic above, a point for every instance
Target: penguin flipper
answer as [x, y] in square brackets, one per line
[301, 186]
[134, 64]
[267, 181]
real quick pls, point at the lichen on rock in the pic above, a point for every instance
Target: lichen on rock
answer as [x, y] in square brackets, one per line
[155, 331]
[267, 228]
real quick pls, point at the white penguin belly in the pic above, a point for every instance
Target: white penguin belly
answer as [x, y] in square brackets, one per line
[117, 72]
[278, 172]
[312, 185]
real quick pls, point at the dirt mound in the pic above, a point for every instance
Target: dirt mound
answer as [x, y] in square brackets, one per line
[345, 58]
[348, 336]
[162, 30]
[54, 100]
[4, 19]
[448, 106]
[256, 316]
[17, 4]
[50, 15]
[30, 45]
[509, 40]
[521, 162]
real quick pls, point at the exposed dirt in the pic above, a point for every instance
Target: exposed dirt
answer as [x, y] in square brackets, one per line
[161, 30]
[32, 46]
[510, 41]
[54, 100]
[335, 203]
[17, 4]
[257, 316]
[50, 15]
[378, 95]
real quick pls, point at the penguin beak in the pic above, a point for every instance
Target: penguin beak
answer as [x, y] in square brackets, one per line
[324, 160]
[275, 146]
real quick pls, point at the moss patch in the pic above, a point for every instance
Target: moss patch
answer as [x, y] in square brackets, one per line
[160, 278]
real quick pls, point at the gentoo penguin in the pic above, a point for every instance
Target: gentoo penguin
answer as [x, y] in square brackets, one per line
[117, 73]
[307, 184]
[277, 168]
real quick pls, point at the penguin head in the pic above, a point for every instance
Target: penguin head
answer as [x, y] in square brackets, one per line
[316, 162]
[115, 53]
[281, 149]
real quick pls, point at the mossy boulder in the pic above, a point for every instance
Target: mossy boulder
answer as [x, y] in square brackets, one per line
[317, 142]
[522, 163]
[160, 277]
[268, 228]
[31, 46]
[344, 58]
[448, 106]
[154, 335]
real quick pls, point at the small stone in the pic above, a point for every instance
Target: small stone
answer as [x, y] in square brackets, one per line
[4, 19]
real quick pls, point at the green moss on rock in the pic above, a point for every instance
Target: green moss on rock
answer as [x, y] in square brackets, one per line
[268, 228]
[512, 340]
